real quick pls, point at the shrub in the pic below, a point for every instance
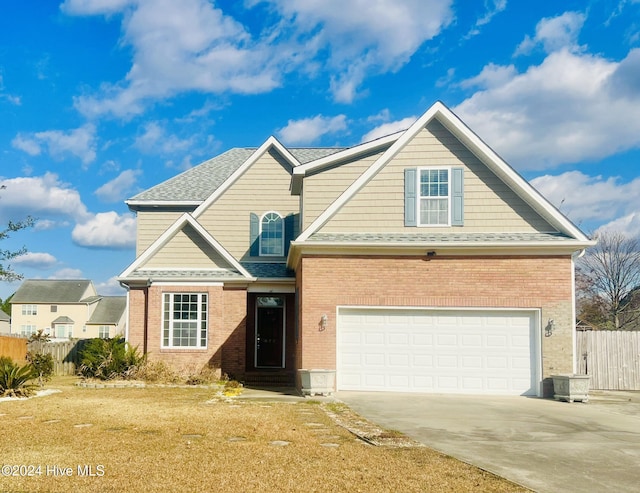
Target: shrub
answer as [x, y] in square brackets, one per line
[15, 379]
[107, 359]
[157, 372]
[42, 365]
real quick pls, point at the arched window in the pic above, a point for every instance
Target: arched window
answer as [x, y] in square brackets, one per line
[272, 235]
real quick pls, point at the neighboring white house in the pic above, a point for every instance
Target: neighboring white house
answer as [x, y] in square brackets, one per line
[5, 323]
[66, 309]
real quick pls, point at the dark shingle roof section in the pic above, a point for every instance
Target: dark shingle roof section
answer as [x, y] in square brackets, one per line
[63, 319]
[437, 237]
[51, 291]
[109, 311]
[199, 182]
[4, 317]
[268, 269]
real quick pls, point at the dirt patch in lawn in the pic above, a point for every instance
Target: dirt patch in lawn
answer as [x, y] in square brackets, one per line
[177, 439]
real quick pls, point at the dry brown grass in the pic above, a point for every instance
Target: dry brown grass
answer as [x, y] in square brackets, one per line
[183, 439]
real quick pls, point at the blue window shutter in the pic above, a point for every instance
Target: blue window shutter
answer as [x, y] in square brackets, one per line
[289, 225]
[457, 196]
[410, 204]
[254, 231]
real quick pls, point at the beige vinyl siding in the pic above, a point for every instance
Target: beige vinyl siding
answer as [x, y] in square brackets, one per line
[187, 249]
[262, 188]
[489, 205]
[150, 225]
[321, 189]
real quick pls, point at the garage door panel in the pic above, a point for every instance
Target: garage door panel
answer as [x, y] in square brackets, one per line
[425, 350]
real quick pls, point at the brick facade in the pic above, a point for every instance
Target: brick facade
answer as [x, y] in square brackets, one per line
[538, 282]
[227, 311]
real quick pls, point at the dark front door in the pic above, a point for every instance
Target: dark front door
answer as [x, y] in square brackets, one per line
[269, 332]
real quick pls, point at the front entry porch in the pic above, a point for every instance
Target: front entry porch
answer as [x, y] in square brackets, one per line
[270, 343]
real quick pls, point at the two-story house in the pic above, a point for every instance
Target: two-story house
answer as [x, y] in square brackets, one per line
[420, 261]
[66, 309]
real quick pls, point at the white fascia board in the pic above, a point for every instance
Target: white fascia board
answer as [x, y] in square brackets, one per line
[506, 173]
[163, 203]
[170, 233]
[217, 246]
[476, 145]
[270, 142]
[300, 172]
[364, 178]
[156, 245]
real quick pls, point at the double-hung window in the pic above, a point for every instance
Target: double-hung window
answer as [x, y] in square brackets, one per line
[434, 197]
[29, 309]
[185, 320]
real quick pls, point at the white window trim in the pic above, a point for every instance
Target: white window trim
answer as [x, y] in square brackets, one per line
[29, 309]
[419, 196]
[198, 345]
[281, 254]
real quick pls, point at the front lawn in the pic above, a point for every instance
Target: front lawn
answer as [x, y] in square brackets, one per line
[176, 439]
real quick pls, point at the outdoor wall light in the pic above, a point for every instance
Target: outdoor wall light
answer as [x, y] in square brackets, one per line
[551, 326]
[323, 322]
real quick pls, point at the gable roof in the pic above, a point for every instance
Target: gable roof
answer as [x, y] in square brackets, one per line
[180, 223]
[479, 148]
[109, 311]
[192, 187]
[4, 317]
[53, 291]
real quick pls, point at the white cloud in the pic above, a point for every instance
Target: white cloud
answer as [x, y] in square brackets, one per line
[570, 108]
[26, 144]
[44, 197]
[585, 198]
[363, 37]
[309, 130]
[106, 230]
[36, 260]
[67, 273]
[11, 98]
[629, 225]
[110, 287]
[119, 188]
[156, 140]
[79, 142]
[389, 128]
[179, 46]
[555, 33]
[194, 46]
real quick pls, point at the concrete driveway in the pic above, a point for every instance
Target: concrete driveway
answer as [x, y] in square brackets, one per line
[545, 445]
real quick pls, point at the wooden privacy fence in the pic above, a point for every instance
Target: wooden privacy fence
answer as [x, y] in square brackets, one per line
[610, 357]
[65, 354]
[13, 347]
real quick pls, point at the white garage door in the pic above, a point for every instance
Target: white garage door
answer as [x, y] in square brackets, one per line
[439, 351]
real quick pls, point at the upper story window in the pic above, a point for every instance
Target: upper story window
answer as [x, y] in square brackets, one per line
[433, 196]
[184, 320]
[272, 235]
[54, 308]
[29, 309]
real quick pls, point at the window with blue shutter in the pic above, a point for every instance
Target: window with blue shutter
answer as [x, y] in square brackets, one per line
[434, 196]
[410, 204]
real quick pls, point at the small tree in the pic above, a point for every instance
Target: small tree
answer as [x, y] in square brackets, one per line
[606, 281]
[6, 273]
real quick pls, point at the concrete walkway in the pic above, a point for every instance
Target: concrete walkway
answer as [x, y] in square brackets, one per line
[545, 445]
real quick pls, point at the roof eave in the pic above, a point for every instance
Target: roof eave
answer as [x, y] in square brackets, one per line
[450, 248]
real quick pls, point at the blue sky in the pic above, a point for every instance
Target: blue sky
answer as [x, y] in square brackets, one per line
[101, 99]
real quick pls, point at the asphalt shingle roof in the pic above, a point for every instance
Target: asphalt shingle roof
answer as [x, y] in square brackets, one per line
[51, 291]
[199, 182]
[268, 269]
[109, 311]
